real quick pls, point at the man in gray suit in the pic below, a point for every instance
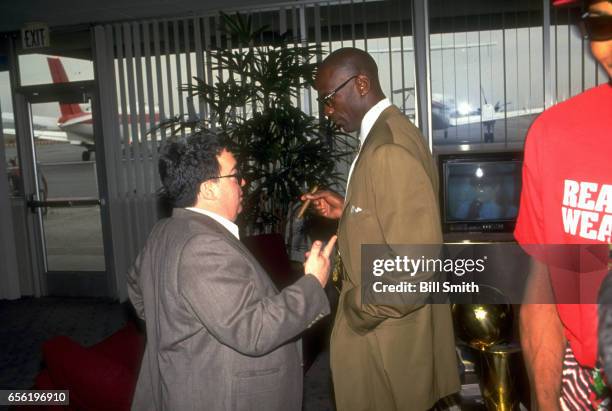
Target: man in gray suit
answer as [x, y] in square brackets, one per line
[219, 334]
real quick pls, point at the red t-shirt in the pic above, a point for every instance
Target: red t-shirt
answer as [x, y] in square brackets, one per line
[567, 199]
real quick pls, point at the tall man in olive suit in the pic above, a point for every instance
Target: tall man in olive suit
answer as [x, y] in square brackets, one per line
[382, 358]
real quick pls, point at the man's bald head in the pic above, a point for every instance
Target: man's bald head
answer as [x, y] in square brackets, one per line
[352, 59]
[348, 82]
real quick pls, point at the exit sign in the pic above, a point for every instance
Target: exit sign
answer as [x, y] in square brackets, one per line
[35, 35]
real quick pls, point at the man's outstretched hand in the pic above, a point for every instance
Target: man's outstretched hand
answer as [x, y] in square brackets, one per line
[326, 203]
[318, 263]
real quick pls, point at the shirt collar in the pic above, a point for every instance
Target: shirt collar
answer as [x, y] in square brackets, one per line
[370, 118]
[230, 226]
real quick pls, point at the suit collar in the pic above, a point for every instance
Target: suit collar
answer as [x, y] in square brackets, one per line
[207, 221]
[229, 225]
[369, 119]
[218, 228]
[382, 118]
[369, 141]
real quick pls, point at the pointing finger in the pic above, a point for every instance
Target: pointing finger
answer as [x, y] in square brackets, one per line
[330, 246]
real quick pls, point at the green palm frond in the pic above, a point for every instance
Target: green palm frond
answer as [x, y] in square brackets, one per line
[253, 100]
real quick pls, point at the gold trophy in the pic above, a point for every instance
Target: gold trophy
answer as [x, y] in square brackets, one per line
[488, 328]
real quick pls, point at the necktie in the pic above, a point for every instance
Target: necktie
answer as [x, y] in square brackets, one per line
[338, 270]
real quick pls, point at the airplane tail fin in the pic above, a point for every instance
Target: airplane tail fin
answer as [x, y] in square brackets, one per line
[58, 74]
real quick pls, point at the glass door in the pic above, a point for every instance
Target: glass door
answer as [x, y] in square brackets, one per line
[64, 194]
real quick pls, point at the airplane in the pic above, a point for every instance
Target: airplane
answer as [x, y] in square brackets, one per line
[73, 126]
[73, 120]
[76, 122]
[445, 115]
[487, 115]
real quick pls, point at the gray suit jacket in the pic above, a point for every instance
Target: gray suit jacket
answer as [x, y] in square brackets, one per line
[219, 334]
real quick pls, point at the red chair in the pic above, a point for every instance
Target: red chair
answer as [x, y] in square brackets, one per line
[100, 377]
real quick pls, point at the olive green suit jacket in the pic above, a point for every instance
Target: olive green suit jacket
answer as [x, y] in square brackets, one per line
[390, 358]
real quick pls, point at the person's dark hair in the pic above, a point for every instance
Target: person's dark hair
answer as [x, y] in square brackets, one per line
[185, 164]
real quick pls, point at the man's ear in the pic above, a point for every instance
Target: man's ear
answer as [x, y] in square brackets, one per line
[363, 84]
[208, 190]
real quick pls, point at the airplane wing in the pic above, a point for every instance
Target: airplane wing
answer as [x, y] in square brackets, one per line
[492, 116]
[50, 135]
[45, 128]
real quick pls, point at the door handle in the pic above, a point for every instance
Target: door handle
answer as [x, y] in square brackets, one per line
[62, 202]
[34, 204]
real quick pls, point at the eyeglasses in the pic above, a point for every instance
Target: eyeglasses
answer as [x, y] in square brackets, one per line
[327, 99]
[597, 27]
[238, 175]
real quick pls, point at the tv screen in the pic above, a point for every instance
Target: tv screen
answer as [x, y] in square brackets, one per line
[480, 192]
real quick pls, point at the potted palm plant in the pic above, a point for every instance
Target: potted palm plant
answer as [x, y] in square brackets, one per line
[254, 102]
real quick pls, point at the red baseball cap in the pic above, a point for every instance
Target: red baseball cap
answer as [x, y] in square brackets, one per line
[558, 3]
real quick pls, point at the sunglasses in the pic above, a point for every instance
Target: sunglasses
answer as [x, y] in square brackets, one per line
[597, 27]
[327, 99]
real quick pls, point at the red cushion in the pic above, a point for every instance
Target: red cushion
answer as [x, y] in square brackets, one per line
[102, 377]
[44, 382]
[126, 346]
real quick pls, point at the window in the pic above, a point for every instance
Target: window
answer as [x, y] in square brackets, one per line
[486, 70]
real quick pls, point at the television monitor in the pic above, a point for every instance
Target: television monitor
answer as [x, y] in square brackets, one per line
[480, 192]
